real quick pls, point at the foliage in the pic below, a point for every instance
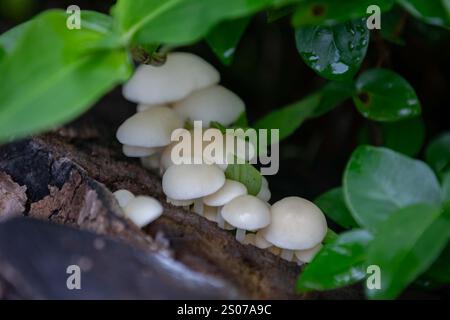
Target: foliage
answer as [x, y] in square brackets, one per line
[395, 208]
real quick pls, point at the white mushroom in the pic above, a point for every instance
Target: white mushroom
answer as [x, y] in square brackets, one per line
[182, 74]
[264, 193]
[123, 197]
[261, 242]
[211, 104]
[297, 224]
[192, 182]
[142, 210]
[138, 152]
[308, 254]
[150, 128]
[230, 190]
[246, 213]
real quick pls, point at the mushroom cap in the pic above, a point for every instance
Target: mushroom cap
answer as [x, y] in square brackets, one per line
[230, 190]
[142, 210]
[246, 212]
[297, 224]
[261, 242]
[182, 74]
[308, 254]
[215, 103]
[192, 181]
[150, 128]
[138, 152]
[123, 197]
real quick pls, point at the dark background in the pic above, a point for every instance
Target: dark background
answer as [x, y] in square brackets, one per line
[268, 73]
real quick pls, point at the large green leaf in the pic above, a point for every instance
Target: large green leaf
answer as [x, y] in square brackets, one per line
[334, 52]
[405, 136]
[379, 181]
[224, 38]
[290, 118]
[438, 153]
[51, 74]
[329, 12]
[177, 21]
[338, 264]
[406, 245]
[435, 12]
[332, 203]
[383, 95]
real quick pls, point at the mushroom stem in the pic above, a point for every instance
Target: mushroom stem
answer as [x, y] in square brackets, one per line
[220, 219]
[287, 254]
[198, 207]
[240, 235]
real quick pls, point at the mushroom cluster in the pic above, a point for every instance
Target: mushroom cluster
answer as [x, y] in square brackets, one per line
[185, 89]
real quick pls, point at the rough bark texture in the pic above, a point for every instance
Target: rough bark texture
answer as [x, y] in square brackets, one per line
[70, 176]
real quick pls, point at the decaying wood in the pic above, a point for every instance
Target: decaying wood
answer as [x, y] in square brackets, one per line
[70, 180]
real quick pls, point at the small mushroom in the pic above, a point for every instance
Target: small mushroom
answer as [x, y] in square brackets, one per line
[138, 152]
[261, 242]
[123, 197]
[297, 224]
[246, 212]
[192, 182]
[142, 210]
[182, 74]
[308, 254]
[150, 128]
[215, 103]
[230, 190]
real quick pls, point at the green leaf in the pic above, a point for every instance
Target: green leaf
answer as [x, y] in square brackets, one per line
[290, 118]
[332, 95]
[224, 38]
[383, 95]
[338, 264]
[329, 12]
[330, 236]
[379, 181]
[405, 136]
[52, 74]
[432, 12]
[437, 154]
[274, 14]
[177, 21]
[245, 174]
[406, 245]
[332, 203]
[334, 52]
